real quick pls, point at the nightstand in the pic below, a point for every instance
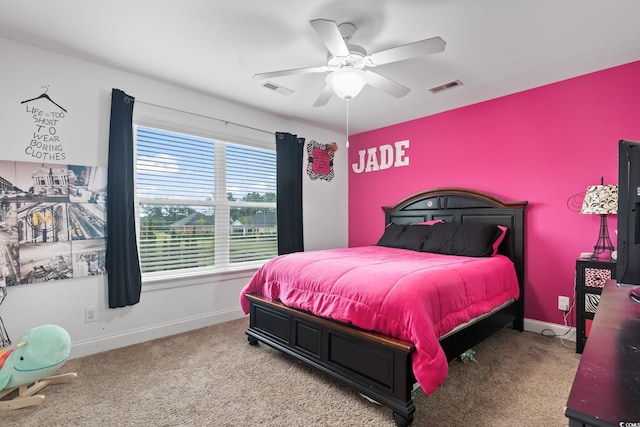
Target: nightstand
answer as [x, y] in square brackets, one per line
[591, 275]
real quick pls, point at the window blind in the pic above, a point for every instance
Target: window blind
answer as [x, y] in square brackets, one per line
[203, 203]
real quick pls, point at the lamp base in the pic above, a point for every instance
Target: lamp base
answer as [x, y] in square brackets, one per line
[604, 243]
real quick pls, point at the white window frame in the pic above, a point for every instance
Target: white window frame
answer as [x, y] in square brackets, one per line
[148, 115]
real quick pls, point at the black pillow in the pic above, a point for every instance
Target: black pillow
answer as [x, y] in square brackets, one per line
[404, 236]
[413, 236]
[391, 235]
[466, 239]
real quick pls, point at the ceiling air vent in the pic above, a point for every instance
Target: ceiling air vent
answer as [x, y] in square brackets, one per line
[438, 89]
[276, 88]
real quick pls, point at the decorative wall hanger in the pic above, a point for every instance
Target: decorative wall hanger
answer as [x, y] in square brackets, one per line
[45, 142]
[44, 96]
[320, 160]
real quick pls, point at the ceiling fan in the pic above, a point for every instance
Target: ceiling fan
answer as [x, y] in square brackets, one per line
[351, 62]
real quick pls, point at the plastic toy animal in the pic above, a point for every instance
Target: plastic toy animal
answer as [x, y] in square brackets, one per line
[27, 367]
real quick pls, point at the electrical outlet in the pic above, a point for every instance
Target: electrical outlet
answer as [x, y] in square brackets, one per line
[89, 314]
[563, 303]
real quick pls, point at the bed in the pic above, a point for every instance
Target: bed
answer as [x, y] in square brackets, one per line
[371, 349]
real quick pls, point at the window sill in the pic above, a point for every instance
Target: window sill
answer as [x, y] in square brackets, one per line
[158, 282]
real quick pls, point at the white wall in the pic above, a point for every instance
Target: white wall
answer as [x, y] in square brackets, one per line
[84, 90]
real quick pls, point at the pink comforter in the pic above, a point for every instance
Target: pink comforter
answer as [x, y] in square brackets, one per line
[414, 296]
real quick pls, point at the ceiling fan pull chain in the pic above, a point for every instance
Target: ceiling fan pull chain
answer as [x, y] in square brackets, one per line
[347, 145]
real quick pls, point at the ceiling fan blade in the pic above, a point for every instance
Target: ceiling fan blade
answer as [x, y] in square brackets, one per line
[324, 97]
[282, 73]
[330, 35]
[410, 50]
[385, 84]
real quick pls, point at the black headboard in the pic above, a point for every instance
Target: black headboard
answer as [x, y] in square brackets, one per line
[460, 205]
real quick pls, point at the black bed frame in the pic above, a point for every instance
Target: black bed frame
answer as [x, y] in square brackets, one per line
[378, 366]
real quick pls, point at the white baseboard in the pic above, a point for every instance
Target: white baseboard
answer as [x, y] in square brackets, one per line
[550, 329]
[136, 336]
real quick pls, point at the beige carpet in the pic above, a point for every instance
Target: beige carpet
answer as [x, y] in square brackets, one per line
[212, 377]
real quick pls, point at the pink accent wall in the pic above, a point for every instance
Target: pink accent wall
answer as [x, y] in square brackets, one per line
[542, 145]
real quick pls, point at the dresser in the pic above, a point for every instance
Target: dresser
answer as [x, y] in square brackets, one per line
[591, 276]
[606, 388]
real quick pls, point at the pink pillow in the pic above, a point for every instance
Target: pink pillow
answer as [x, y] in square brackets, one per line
[499, 240]
[431, 222]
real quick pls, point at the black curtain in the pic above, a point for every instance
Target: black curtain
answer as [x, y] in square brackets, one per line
[123, 266]
[289, 149]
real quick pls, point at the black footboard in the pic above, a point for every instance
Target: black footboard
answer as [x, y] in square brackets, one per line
[377, 366]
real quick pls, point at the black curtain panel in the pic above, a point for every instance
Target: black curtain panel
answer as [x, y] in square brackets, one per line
[123, 266]
[289, 149]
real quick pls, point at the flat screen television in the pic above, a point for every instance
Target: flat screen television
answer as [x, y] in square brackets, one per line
[628, 260]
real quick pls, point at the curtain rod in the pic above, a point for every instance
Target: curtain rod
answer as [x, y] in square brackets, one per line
[226, 122]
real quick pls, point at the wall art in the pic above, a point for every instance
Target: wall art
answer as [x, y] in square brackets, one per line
[52, 221]
[320, 160]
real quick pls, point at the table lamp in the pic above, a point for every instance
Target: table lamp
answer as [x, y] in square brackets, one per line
[601, 200]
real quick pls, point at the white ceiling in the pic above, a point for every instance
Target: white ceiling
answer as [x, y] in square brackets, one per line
[495, 47]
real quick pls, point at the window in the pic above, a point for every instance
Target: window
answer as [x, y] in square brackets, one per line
[203, 204]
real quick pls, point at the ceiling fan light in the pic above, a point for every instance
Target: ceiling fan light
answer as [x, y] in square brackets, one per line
[347, 83]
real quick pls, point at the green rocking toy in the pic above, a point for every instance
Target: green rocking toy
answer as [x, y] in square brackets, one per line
[27, 368]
